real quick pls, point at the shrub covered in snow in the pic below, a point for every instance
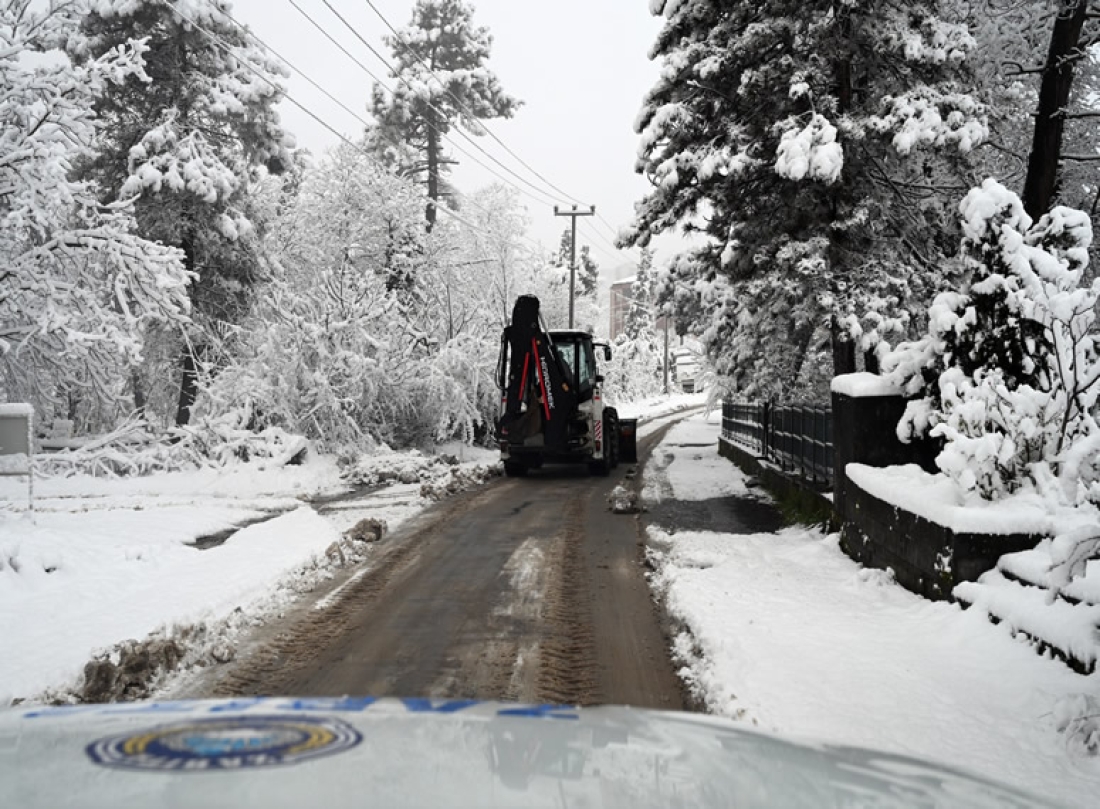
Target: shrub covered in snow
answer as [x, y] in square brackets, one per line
[1009, 368]
[134, 449]
[1008, 373]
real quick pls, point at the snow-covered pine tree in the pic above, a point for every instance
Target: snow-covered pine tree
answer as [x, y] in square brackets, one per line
[640, 313]
[804, 139]
[635, 370]
[186, 142]
[561, 259]
[442, 82]
[588, 273]
[78, 287]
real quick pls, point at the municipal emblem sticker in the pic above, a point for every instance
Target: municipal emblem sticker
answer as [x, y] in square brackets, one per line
[228, 743]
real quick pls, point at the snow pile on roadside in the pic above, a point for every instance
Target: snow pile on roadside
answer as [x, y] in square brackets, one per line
[63, 597]
[108, 572]
[648, 411]
[786, 632]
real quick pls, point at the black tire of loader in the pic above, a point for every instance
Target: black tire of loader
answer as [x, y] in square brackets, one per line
[513, 469]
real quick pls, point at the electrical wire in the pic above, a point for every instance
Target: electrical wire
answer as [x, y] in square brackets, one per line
[412, 51]
[543, 198]
[366, 124]
[488, 131]
[448, 211]
[431, 106]
[228, 49]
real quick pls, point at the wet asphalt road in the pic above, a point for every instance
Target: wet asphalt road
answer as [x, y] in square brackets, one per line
[524, 589]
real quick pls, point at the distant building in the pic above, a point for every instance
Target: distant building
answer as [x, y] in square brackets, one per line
[621, 297]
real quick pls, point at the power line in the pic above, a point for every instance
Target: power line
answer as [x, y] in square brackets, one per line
[431, 106]
[359, 118]
[412, 51]
[366, 124]
[483, 125]
[545, 198]
[228, 49]
[596, 245]
[250, 34]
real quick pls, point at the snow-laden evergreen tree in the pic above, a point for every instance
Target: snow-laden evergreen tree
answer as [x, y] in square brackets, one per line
[639, 315]
[636, 368]
[442, 81]
[78, 287]
[561, 258]
[186, 143]
[1021, 46]
[588, 273]
[1009, 372]
[810, 142]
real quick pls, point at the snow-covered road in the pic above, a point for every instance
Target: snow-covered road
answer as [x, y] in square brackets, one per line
[778, 629]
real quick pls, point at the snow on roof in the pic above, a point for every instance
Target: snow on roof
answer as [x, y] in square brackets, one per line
[16, 410]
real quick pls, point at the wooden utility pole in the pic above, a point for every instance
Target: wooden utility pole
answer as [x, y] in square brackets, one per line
[573, 214]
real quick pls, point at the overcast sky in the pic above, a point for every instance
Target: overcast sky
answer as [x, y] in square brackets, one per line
[579, 66]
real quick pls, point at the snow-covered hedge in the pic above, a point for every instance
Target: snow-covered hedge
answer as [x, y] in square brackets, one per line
[1009, 368]
[1009, 372]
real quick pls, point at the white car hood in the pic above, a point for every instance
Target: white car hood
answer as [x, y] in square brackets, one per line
[393, 753]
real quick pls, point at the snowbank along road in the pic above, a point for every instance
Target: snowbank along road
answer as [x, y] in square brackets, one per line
[527, 589]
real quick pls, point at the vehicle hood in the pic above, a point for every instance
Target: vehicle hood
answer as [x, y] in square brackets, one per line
[418, 752]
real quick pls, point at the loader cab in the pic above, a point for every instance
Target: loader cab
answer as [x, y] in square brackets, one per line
[577, 353]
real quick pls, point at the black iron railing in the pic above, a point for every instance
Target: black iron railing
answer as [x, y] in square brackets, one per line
[797, 438]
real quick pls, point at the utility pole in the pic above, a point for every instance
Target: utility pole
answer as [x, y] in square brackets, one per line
[665, 318]
[573, 214]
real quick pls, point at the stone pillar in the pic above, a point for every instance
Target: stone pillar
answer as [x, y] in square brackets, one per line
[866, 412]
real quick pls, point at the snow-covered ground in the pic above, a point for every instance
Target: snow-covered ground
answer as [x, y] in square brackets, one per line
[105, 560]
[786, 632]
[780, 630]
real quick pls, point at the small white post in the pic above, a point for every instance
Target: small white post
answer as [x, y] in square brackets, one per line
[17, 445]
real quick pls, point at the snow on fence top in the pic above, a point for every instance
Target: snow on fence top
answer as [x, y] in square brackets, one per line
[863, 385]
[16, 410]
[938, 499]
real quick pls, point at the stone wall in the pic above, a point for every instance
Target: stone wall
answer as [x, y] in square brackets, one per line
[926, 558]
[865, 431]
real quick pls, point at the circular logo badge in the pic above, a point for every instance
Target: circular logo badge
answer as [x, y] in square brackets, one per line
[228, 743]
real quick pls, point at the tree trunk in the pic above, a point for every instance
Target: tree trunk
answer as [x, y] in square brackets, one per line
[1046, 145]
[141, 401]
[189, 387]
[844, 350]
[433, 172]
[189, 378]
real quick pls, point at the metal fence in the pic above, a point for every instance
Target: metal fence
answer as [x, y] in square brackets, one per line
[797, 438]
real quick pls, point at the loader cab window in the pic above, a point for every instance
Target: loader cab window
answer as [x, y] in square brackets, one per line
[579, 361]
